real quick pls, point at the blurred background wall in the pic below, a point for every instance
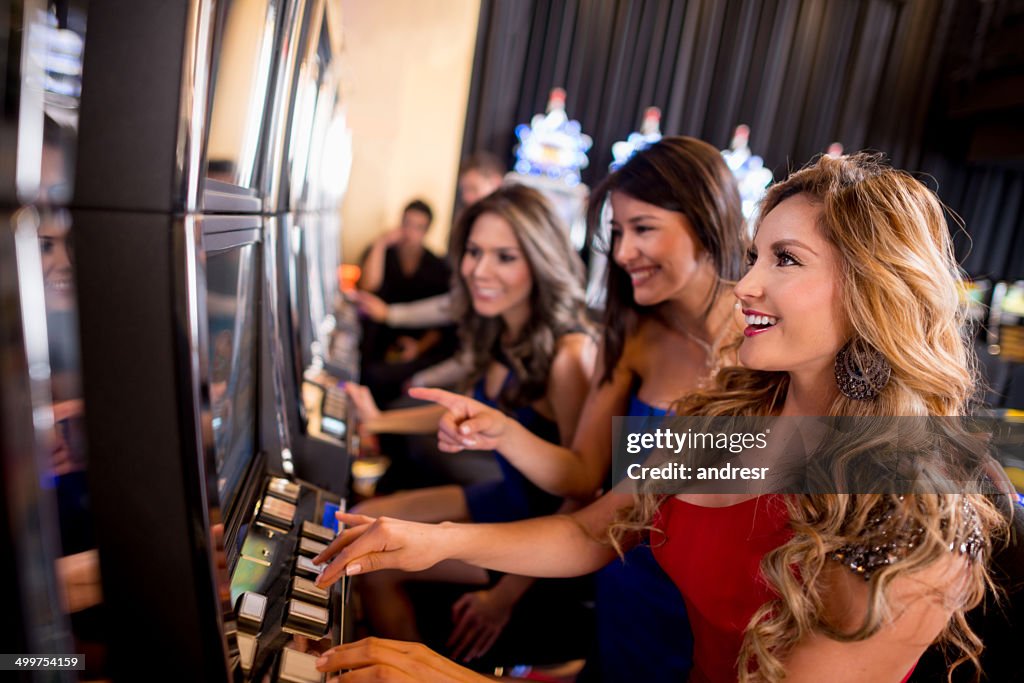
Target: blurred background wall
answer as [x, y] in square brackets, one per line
[408, 66]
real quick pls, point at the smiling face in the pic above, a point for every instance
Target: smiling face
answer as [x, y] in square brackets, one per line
[496, 271]
[790, 294]
[58, 274]
[657, 248]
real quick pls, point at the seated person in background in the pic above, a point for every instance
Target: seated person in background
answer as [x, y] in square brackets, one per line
[519, 301]
[398, 268]
[481, 174]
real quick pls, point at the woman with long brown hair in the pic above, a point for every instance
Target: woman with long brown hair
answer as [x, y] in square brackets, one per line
[518, 300]
[852, 310]
[676, 246]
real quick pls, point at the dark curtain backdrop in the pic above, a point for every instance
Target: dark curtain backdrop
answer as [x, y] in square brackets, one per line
[871, 74]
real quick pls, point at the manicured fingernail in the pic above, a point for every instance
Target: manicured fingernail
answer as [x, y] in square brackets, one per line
[464, 429]
[321, 661]
[353, 569]
[469, 442]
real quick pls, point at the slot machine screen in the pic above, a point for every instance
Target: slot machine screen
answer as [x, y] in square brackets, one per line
[232, 280]
[317, 306]
[330, 259]
[302, 269]
[240, 87]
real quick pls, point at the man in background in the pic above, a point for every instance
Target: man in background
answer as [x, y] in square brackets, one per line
[480, 174]
[398, 268]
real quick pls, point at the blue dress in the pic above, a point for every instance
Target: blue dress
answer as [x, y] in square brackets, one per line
[513, 497]
[642, 630]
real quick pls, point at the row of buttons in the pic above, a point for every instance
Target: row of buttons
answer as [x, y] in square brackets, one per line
[295, 666]
[306, 612]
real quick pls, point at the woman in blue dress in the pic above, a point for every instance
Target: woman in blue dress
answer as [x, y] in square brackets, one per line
[677, 245]
[519, 303]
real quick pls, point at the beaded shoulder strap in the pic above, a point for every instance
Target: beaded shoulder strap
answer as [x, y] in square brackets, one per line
[886, 541]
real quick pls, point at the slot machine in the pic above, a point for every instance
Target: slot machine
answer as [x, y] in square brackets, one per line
[319, 330]
[207, 503]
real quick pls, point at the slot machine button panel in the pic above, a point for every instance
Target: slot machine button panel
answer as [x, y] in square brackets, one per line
[307, 591]
[251, 609]
[317, 532]
[311, 548]
[304, 567]
[277, 513]
[246, 650]
[284, 489]
[298, 667]
[310, 620]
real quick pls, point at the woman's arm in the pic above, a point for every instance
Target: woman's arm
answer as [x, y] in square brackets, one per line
[415, 420]
[577, 471]
[557, 546]
[568, 382]
[434, 311]
[922, 604]
[573, 472]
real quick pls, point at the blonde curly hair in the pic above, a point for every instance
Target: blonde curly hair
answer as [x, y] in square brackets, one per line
[900, 297]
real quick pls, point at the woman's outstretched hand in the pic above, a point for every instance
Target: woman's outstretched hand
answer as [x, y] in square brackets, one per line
[393, 661]
[467, 424]
[370, 544]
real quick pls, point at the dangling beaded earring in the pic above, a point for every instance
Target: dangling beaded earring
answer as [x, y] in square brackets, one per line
[861, 373]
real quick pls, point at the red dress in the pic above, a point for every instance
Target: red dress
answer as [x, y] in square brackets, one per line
[714, 556]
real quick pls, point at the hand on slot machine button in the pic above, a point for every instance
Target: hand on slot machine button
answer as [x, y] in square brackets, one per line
[394, 661]
[346, 521]
[304, 566]
[369, 544]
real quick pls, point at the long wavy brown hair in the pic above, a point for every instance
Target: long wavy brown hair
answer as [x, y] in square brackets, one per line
[900, 296]
[679, 174]
[557, 304]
